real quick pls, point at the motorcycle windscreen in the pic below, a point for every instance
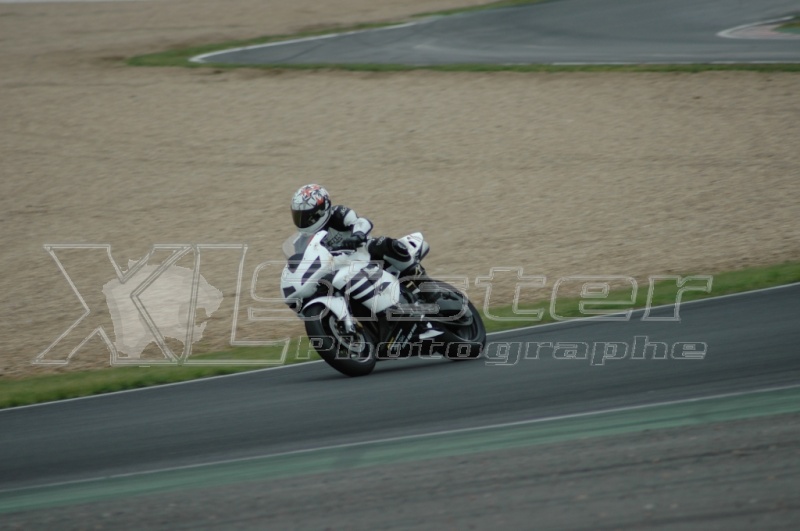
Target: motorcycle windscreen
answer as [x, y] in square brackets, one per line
[296, 244]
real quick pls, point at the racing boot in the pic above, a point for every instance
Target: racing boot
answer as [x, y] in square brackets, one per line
[398, 261]
[392, 252]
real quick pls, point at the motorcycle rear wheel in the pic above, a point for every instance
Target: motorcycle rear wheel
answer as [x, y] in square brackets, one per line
[467, 334]
[350, 354]
[472, 336]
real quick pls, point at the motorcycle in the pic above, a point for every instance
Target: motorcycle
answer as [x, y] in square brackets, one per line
[358, 312]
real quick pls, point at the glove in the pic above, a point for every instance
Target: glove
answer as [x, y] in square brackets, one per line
[354, 241]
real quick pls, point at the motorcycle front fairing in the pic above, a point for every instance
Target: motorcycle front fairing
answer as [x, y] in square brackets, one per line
[306, 269]
[342, 281]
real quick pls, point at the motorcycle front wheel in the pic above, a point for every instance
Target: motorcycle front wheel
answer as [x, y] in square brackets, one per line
[350, 354]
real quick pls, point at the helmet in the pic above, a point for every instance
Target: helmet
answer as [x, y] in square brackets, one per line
[311, 208]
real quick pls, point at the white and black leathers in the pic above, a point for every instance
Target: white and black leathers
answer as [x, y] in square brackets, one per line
[343, 224]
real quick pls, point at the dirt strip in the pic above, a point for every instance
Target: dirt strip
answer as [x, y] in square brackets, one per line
[573, 173]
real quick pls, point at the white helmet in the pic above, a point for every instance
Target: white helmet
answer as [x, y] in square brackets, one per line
[311, 208]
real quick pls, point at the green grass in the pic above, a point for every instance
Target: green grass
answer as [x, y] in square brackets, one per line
[481, 7]
[83, 383]
[93, 382]
[181, 56]
[793, 26]
[664, 293]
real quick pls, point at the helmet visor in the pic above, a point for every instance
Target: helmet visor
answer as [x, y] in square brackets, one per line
[305, 218]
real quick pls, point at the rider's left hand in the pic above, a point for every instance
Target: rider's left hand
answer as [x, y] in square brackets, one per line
[353, 242]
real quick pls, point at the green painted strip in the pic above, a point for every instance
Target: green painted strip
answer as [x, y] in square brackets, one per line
[410, 449]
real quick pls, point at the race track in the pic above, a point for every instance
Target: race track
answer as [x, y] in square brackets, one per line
[560, 31]
[751, 344]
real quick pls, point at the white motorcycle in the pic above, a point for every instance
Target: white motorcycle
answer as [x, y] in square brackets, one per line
[356, 312]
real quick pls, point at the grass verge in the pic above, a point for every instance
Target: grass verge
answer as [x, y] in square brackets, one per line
[51, 387]
[181, 56]
[664, 292]
[84, 383]
[480, 7]
[793, 26]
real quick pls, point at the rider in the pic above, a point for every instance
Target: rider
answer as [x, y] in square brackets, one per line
[312, 212]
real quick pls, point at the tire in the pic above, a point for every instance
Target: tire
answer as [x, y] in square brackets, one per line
[351, 356]
[466, 336]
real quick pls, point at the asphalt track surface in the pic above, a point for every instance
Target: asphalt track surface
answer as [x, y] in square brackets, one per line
[555, 32]
[752, 343]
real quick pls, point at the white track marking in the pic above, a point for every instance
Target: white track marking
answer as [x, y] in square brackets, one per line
[296, 365]
[202, 58]
[741, 32]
